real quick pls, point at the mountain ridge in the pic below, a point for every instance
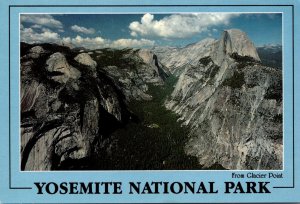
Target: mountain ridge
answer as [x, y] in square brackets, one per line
[223, 100]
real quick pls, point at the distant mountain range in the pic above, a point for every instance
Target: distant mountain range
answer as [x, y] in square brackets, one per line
[271, 55]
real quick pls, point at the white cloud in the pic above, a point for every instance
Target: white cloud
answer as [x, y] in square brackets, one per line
[133, 34]
[30, 36]
[36, 26]
[178, 25]
[41, 19]
[81, 29]
[91, 43]
[121, 43]
[45, 30]
[99, 42]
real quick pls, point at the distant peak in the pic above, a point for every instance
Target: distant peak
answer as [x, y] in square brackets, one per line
[270, 46]
[235, 30]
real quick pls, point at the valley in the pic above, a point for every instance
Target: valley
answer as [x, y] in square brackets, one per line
[154, 141]
[209, 105]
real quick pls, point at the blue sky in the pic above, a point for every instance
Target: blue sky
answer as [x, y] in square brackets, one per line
[146, 30]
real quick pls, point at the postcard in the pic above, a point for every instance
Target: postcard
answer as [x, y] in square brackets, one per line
[149, 102]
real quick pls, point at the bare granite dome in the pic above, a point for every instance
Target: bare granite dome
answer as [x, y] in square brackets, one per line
[85, 59]
[62, 71]
[35, 52]
[37, 49]
[236, 41]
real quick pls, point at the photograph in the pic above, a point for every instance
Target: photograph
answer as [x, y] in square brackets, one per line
[151, 91]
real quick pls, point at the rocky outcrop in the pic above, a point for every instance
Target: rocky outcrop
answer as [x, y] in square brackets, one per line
[176, 58]
[238, 42]
[133, 71]
[85, 59]
[152, 60]
[130, 82]
[34, 52]
[233, 106]
[233, 41]
[59, 69]
[67, 114]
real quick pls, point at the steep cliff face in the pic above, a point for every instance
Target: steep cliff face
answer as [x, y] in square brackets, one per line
[176, 58]
[231, 41]
[238, 42]
[68, 110]
[233, 106]
[152, 60]
[132, 70]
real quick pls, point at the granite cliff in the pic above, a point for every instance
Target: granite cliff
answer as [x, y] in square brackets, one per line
[232, 105]
[70, 104]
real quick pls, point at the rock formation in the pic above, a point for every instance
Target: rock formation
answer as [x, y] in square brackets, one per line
[176, 58]
[67, 113]
[134, 70]
[85, 59]
[59, 70]
[233, 106]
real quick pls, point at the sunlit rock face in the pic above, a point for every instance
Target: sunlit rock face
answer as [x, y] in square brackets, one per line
[59, 69]
[233, 41]
[176, 58]
[238, 42]
[85, 59]
[36, 51]
[233, 106]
